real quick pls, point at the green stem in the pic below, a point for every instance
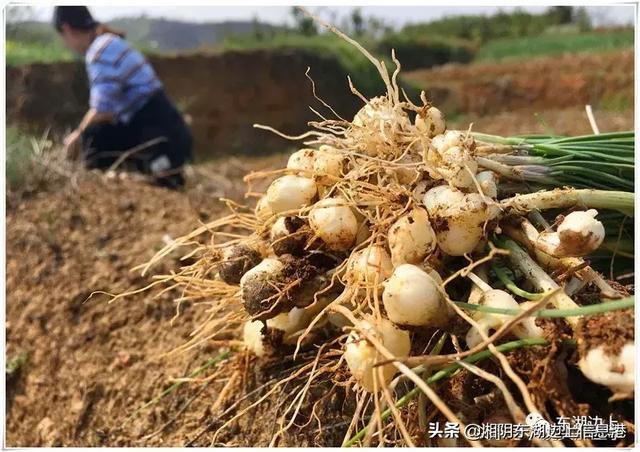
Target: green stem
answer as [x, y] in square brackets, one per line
[594, 309]
[443, 373]
[502, 276]
[578, 182]
[618, 167]
[513, 141]
[595, 174]
[536, 274]
[623, 148]
[600, 137]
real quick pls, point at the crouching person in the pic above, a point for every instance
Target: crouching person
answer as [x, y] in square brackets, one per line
[130, 120]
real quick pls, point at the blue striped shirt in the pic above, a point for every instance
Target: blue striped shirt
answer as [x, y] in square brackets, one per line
[121, 79]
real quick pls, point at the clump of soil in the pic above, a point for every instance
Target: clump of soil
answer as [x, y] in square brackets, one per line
[293, 244]
[295, 286]
[612, 330]
[240, 260]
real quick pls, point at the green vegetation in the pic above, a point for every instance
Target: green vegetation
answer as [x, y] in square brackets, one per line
[20, 154]
[15, 364]
[33, 42]
[482, 29]
[555, 43]
[21, 52]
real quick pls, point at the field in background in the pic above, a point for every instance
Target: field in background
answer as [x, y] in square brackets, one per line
[535, 86]
[362, 71]
[455, 38]
[554, 44]
[21, 52]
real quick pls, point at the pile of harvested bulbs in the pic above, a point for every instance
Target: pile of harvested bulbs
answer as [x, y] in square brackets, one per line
[406, 248]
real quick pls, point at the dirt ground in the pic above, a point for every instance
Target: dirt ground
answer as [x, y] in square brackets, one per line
[603, 80]
[87, 365]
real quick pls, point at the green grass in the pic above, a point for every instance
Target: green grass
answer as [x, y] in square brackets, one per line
[23, 52]
[19, 157]
[554, 44]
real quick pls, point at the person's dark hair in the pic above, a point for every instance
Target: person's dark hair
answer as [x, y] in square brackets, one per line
[80, 18]
[77, 17]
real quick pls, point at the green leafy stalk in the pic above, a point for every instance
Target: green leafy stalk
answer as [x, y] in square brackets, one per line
[603, 161]
[504, 278]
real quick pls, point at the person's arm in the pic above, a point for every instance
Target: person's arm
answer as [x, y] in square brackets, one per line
[92, 116]
[105, 87]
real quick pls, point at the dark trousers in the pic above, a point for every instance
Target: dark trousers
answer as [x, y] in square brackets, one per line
[156, 140]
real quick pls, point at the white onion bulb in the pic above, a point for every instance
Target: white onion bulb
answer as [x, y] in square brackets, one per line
[411, 238]
[328, 165]
[494, 298]
[431, 272]
[267, 268]
[257, 284]
[263, 211]
[361, 356]
[438, 143]
[527, 328]
[458, 167]
[253, 339]
[279, 229]
[614, 371]
[334, 222]
[487, 182]
[290, 193]
[370, 264]
[302, 160]
[458, 219]
[411, 297]
[440, 197]
[456, 138]
[289, 322]
[375, 124]
[378, 111]
[431, 123]
[578, 234]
